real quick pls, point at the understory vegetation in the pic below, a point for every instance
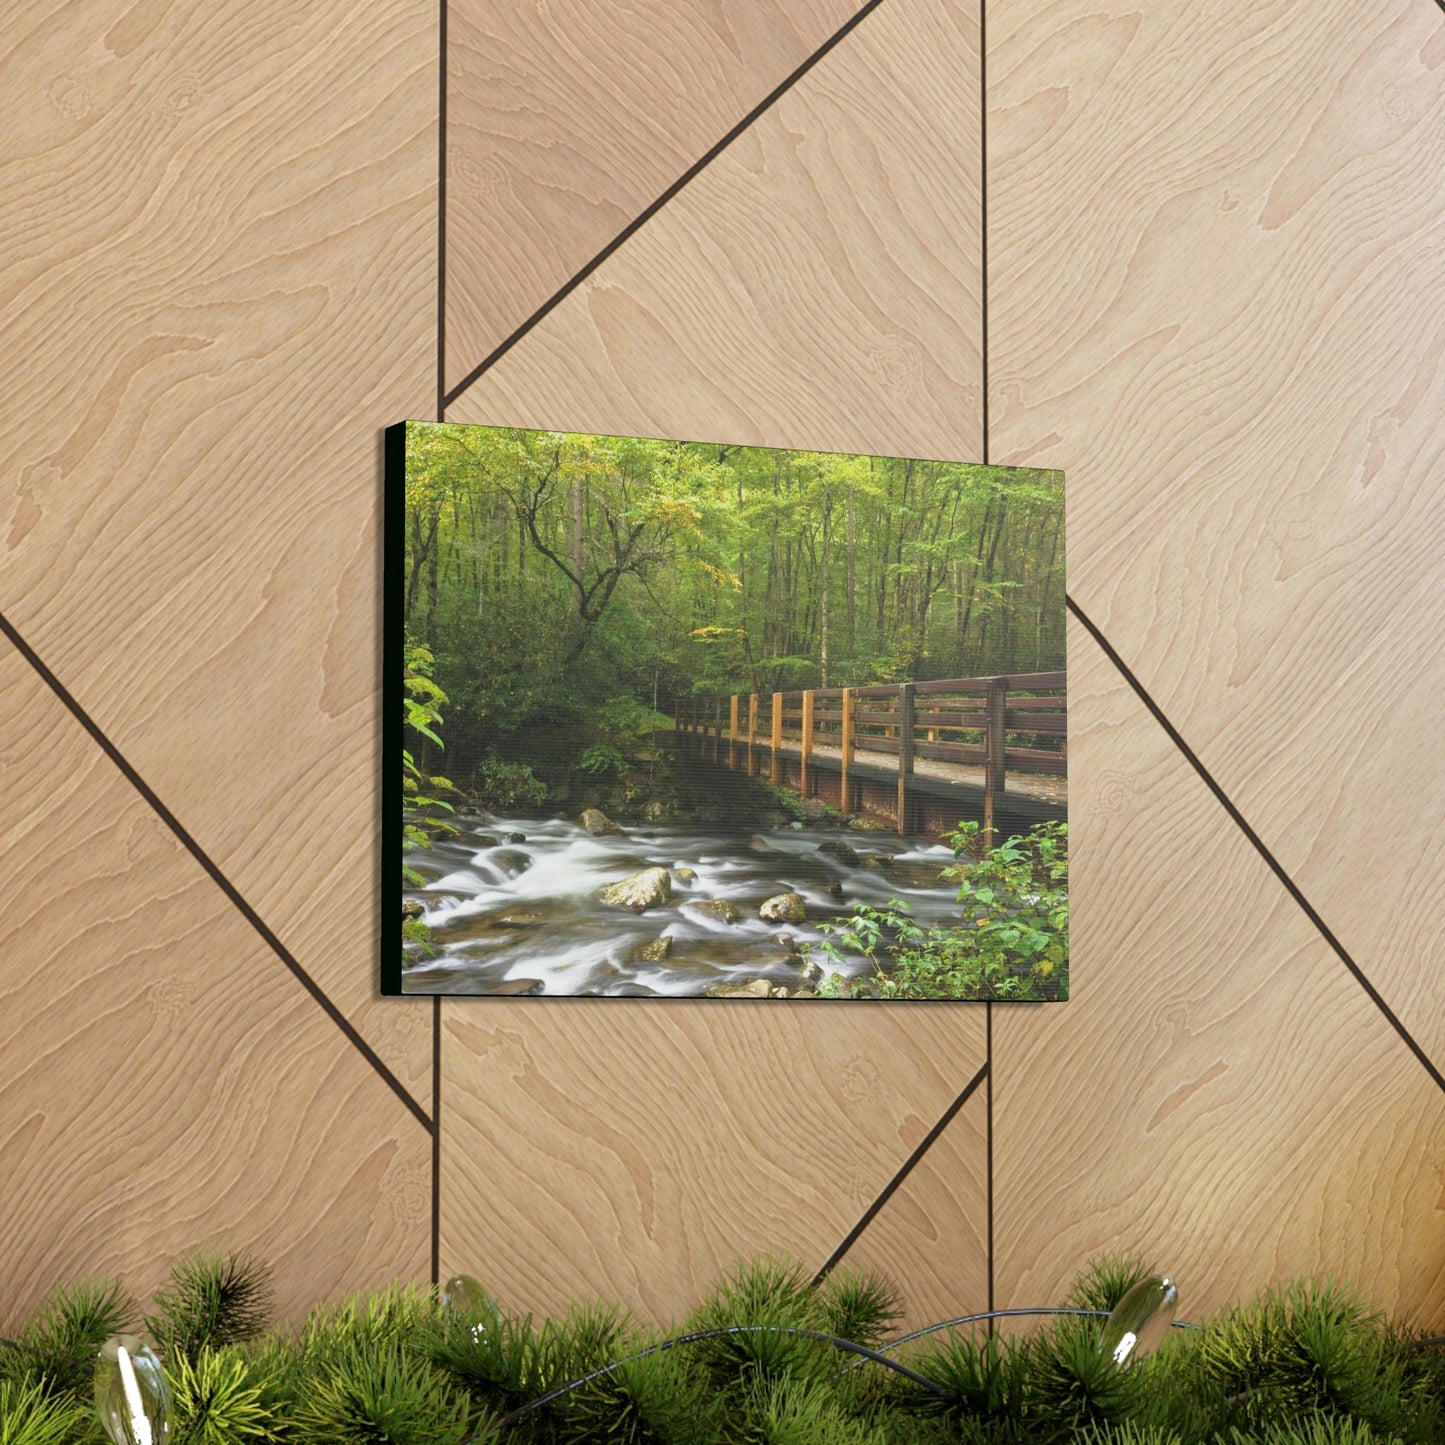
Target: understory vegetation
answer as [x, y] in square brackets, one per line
[1011, 943]
[758, 1363]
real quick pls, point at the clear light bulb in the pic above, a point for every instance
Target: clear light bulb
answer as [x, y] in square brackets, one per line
[131, 1393]
[1140, 1320]
[466, 1302]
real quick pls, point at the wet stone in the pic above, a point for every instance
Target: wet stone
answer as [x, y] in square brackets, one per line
[717, 908]
[753, 988]
[516, 987]
[519, 918]
[783, 908]
[639, 891]
[596, 822]
[510, 860]
[843, 851]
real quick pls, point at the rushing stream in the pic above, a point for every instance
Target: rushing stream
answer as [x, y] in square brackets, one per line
[515, 902]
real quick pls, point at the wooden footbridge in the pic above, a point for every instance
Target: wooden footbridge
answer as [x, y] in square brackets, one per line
[922, 753]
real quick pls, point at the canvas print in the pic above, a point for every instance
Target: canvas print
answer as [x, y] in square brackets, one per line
[672, 718]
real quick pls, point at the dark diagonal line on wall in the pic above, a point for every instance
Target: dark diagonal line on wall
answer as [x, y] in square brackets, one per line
[988, 1146]
[442, 214]
[217, 877]
[436, 1139]
[1257, 843]
[643, 217]
[925, 1144]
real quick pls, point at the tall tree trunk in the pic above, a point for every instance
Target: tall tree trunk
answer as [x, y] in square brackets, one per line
[852, 614]
[827, 542]
[579, 561]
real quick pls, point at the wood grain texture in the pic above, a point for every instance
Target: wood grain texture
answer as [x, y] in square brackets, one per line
[568, 119]
[166, 1083]
[931, 1237]
[1213, 233]
[1219, 1095]
[817, 286]
[218, 264]
[638, 1152]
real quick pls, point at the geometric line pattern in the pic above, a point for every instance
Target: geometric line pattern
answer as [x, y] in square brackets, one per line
[1239, 820]
[216, 875]
[647, 213]
[984, 1075]
[904, 1170]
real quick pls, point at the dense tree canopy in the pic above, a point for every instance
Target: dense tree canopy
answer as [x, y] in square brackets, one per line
[554, 575]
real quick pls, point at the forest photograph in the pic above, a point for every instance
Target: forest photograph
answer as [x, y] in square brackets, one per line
[672, 718]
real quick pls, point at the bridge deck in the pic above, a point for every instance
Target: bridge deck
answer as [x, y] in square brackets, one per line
[1039, 787]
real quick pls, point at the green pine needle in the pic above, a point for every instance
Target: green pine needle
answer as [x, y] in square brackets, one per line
[211, 1300]
[29, 1415]
[1105, 1280]
[859, 1305]
[215, 1401]
[381, 1396]
[58, 1344]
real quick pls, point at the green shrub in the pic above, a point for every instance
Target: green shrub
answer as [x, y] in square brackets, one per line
[1013, 942]
[508, 787]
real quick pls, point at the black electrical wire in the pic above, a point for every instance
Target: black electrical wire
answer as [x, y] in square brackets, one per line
[850, 1346]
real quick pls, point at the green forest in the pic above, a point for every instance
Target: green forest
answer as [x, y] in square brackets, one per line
[569, 588]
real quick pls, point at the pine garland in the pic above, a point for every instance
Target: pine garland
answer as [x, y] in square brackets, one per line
[768, 1359]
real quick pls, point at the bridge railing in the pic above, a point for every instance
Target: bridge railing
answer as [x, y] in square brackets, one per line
[975, 721]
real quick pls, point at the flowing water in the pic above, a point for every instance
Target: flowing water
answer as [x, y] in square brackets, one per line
[512, 901]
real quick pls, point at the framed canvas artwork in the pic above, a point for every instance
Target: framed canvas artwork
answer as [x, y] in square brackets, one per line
[681, 719]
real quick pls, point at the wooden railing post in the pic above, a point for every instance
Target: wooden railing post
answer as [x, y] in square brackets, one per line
[717, 729]
[775, 763]
[806, 747]
[752, 734]
[733, 731]
[994, 704]
[845, 801]
[905, 751]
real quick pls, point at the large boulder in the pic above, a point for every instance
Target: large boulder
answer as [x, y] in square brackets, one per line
[784, 908]
[596, 822]
[840, 849]
[648, 888]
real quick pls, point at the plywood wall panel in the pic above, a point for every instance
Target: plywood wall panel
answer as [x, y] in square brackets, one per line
[817, 286]
[219, 270]
[565, 121]
[1219, 1096]
[637, 1152]
[167, 1084]
[1211, 233]
[931, 1236]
